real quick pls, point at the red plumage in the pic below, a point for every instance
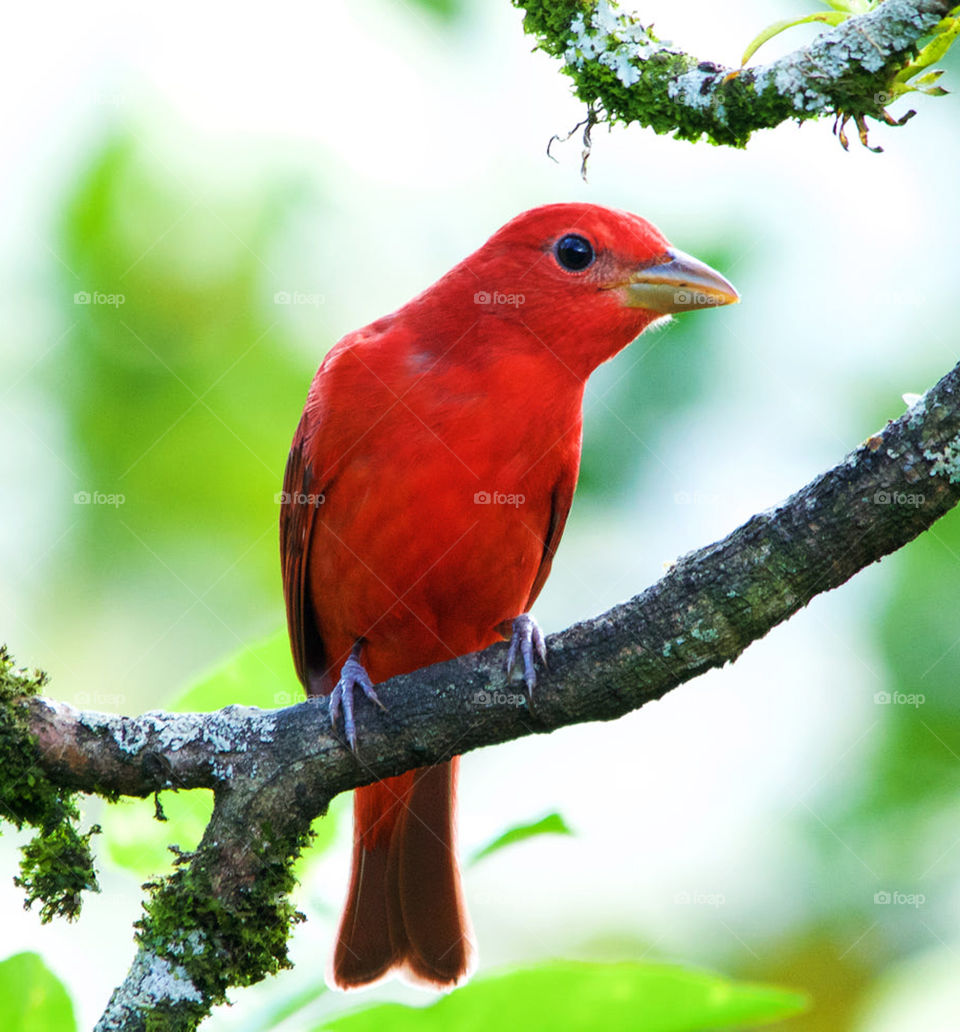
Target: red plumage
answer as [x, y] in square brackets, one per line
[425, 494]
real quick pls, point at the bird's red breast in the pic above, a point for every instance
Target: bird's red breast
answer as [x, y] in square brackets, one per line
[426, 492]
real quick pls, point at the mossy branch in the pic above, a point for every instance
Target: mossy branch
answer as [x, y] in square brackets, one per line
[223, 918]
[624, 73]
[57, 865]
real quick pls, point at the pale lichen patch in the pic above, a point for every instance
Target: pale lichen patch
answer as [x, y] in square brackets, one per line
[173, 730]
[254, 725]
[130, 735]
[192, 944]
[615, 40]
[153, 983]
[163, 982]
[692, 89]
[233, 729]
[917, 410]
[946, 463]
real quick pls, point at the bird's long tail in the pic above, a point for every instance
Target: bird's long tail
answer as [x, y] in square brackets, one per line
[405, 906]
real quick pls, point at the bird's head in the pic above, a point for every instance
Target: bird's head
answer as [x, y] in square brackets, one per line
[581, 279]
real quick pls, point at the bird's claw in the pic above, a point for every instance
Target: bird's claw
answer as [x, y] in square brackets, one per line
[352, 675]
[526, 637]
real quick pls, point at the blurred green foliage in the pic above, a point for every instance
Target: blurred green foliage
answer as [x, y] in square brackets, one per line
[883, 857]
[32, 998]
[640, 397]
[645, 997]
[916, 768]
[446, 10]
[138, 841]
[180, 383]
[901, 820]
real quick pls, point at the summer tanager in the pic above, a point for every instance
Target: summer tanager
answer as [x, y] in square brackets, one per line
[425, 494]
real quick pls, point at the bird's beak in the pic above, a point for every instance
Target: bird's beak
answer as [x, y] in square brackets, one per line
[677, 282]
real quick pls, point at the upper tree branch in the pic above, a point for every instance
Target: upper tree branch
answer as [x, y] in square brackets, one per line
[620, 67]
[274, 771]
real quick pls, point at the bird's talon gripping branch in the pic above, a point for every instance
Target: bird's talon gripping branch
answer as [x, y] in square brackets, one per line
[526, 637]
[352, 675]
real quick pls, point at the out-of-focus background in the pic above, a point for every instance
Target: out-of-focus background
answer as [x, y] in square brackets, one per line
[200, 200]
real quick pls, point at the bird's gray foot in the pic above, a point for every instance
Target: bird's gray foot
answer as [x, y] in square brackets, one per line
[352, 675]
[526, 644]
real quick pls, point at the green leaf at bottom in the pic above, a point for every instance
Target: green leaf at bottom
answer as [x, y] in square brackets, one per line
[568, 995]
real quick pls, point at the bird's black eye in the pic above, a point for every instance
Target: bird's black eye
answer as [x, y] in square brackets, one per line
[574, 252]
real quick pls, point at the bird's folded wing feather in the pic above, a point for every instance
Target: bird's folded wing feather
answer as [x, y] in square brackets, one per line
[298, 510]
[560, 501]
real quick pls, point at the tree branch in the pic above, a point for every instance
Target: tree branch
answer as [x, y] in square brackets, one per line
[222, 918]
[626, 74]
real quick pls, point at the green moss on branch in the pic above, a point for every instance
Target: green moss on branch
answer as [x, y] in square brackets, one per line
[223, 939]
[222, 919]
[57, 864]
[626, 74]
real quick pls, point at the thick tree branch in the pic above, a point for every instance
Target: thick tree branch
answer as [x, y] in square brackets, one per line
[274, 771]
[625, 74]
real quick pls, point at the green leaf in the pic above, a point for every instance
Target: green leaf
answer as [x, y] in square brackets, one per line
[32, 998]
[944, 37]
[929, 79]
[568, 995]
[852, 6]
[138, 842]
[830, 17]
[552, 824]
[260, 674]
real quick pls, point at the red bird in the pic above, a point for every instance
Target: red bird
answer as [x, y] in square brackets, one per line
[425, 494]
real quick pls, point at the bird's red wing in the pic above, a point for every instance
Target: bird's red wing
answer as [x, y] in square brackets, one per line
[298, 509]
[560, 502]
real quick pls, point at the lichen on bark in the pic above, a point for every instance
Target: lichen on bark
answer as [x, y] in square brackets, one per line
[626, 74]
